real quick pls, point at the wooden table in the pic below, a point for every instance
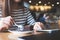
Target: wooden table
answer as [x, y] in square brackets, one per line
[4, 36]
[12, 36]
[37, 36]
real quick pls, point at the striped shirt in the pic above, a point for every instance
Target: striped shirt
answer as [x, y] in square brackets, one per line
[22, 17]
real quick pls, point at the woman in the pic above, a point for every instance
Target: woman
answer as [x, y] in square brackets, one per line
[21, 14]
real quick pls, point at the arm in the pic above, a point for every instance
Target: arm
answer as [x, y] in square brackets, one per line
[30, 19]
[5, 23]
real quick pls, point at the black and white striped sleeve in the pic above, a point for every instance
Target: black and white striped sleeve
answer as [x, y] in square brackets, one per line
[30, 19]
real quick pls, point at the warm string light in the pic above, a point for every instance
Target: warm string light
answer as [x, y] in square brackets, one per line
[57, 3]
[41, 8]
[36, 8]
[40, 2]
[31, 7]
[52, 4]
[45, 7]
[45, 4]
[37, 4]
[30, 1]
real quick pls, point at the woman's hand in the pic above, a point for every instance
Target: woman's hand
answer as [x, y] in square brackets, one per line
[38, 26]
[5, 23]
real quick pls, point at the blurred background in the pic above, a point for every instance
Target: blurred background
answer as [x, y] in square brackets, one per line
[51, 7]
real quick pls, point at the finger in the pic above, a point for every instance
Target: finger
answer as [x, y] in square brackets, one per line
[3, 27]
[11, 20]
[8, 21]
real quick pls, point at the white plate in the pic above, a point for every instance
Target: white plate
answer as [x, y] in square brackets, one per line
[19, 31]
[50, 30]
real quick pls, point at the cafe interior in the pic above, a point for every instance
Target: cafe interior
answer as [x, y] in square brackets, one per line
[51, 30]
